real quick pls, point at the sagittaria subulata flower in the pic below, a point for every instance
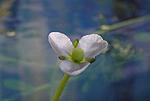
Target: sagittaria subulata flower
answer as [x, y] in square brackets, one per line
[75, 57]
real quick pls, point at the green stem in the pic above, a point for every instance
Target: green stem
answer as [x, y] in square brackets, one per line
[61, 87]
[107, 28]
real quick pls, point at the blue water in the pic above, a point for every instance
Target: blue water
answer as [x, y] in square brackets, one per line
[28, 66]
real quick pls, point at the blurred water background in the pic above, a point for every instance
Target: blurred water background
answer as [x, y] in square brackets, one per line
[28, 66]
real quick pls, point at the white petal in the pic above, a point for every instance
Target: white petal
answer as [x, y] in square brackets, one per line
[60, 43]
[92, 45]
[72, 68]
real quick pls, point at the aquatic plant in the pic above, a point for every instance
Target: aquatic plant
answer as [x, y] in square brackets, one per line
[75, 57]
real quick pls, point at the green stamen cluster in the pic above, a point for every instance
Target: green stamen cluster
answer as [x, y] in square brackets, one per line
[77, 55]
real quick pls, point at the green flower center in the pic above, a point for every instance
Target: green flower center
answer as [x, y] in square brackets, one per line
[77, 55]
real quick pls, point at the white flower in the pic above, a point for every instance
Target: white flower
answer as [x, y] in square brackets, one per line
[75, 57]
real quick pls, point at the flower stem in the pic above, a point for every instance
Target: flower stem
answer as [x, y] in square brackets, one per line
[61, 87]
[108, 28]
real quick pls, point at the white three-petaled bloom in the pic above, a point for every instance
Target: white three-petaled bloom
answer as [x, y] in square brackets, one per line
[75, 57]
